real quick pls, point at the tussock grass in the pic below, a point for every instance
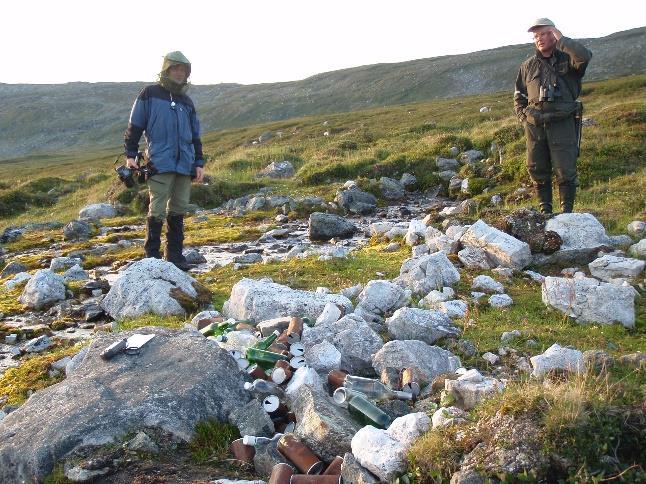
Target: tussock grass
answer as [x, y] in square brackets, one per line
[211, 441]
[589, 428]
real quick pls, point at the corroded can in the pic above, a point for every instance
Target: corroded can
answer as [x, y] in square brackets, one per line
[334, 469]
[242, 452]
[281, 473]
[301, 455]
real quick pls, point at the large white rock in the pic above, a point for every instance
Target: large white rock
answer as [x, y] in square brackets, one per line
[610, 267]
[304, 376]
[378, 452]
[259, 300]
[426, 361]
[420, 324]
[416, 232]
[444, 243]
[557, 357]
[330, 313]
[454, 309]
[578, 230]
[487, 284]
[43, 289]
[379, 229]
[380, 297]
[470, 390]
[239, 341]
[16, 280]
[435, 296]
[75, 273]
[423, 274]
[97, 211]
[502, 249]
[63, 263]
[474, 258]
[500, 301]
[323, 357]
[145, 287]
[408, 428]
[589, 300]
[353, 338]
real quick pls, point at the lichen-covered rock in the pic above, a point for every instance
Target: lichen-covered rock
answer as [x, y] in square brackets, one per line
[589, 300]
[502, 249]
[423, 274]
[103, 401]
[260, 300]
[426, 361]
[43, 289]
[420, 324]
[153, 286]
[326, 226]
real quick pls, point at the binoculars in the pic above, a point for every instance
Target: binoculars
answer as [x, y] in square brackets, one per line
[549, 93]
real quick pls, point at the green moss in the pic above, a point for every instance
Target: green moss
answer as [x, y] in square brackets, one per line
[33, 374]
[57, 476]
[220, 229]
[172, 322]
[9, 304]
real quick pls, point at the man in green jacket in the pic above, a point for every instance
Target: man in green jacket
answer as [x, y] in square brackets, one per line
[547, 87]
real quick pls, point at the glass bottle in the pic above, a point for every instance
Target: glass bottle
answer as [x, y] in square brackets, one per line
[367, 412]
[265, 343]
[265, 359]
[374, 389]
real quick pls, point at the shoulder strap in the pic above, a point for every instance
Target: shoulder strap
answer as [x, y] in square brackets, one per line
[551, 68]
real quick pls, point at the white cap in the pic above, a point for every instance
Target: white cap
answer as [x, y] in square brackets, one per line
[247, 385]
[541, 22]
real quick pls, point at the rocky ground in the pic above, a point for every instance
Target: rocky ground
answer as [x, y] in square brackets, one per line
[133, 418]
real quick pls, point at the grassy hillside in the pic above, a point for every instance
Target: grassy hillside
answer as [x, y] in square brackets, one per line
[561, 416]
[368, 144]
[40, 118]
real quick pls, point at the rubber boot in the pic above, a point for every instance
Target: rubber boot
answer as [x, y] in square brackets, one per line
[567, 193]
[544, 194]
[153, 237]
[175, 241]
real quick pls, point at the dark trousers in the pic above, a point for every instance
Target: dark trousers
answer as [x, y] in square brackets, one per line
[552, 148]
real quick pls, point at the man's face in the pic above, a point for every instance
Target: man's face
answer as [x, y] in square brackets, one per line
[544, 39]
[178, 73]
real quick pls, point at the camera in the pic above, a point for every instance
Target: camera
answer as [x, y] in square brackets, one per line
[126, 175]
[130, 176]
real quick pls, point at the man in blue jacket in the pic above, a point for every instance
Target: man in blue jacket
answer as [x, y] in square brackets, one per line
[168, 118]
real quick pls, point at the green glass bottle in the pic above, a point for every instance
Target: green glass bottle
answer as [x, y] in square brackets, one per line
[263, 358]
[216, 329]
[265, 343]
[367, 412]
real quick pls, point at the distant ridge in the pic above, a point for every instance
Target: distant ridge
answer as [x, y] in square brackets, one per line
[37, 118]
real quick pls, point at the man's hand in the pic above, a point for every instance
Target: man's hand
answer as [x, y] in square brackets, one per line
[556, 33]
[131, 163]
[199, 174]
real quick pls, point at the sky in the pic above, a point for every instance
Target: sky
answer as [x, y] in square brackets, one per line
[250, 42]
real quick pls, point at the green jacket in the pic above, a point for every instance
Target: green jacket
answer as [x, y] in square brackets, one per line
[564, 69]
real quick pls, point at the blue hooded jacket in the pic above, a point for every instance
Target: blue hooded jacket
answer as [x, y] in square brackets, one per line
[172, 131]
